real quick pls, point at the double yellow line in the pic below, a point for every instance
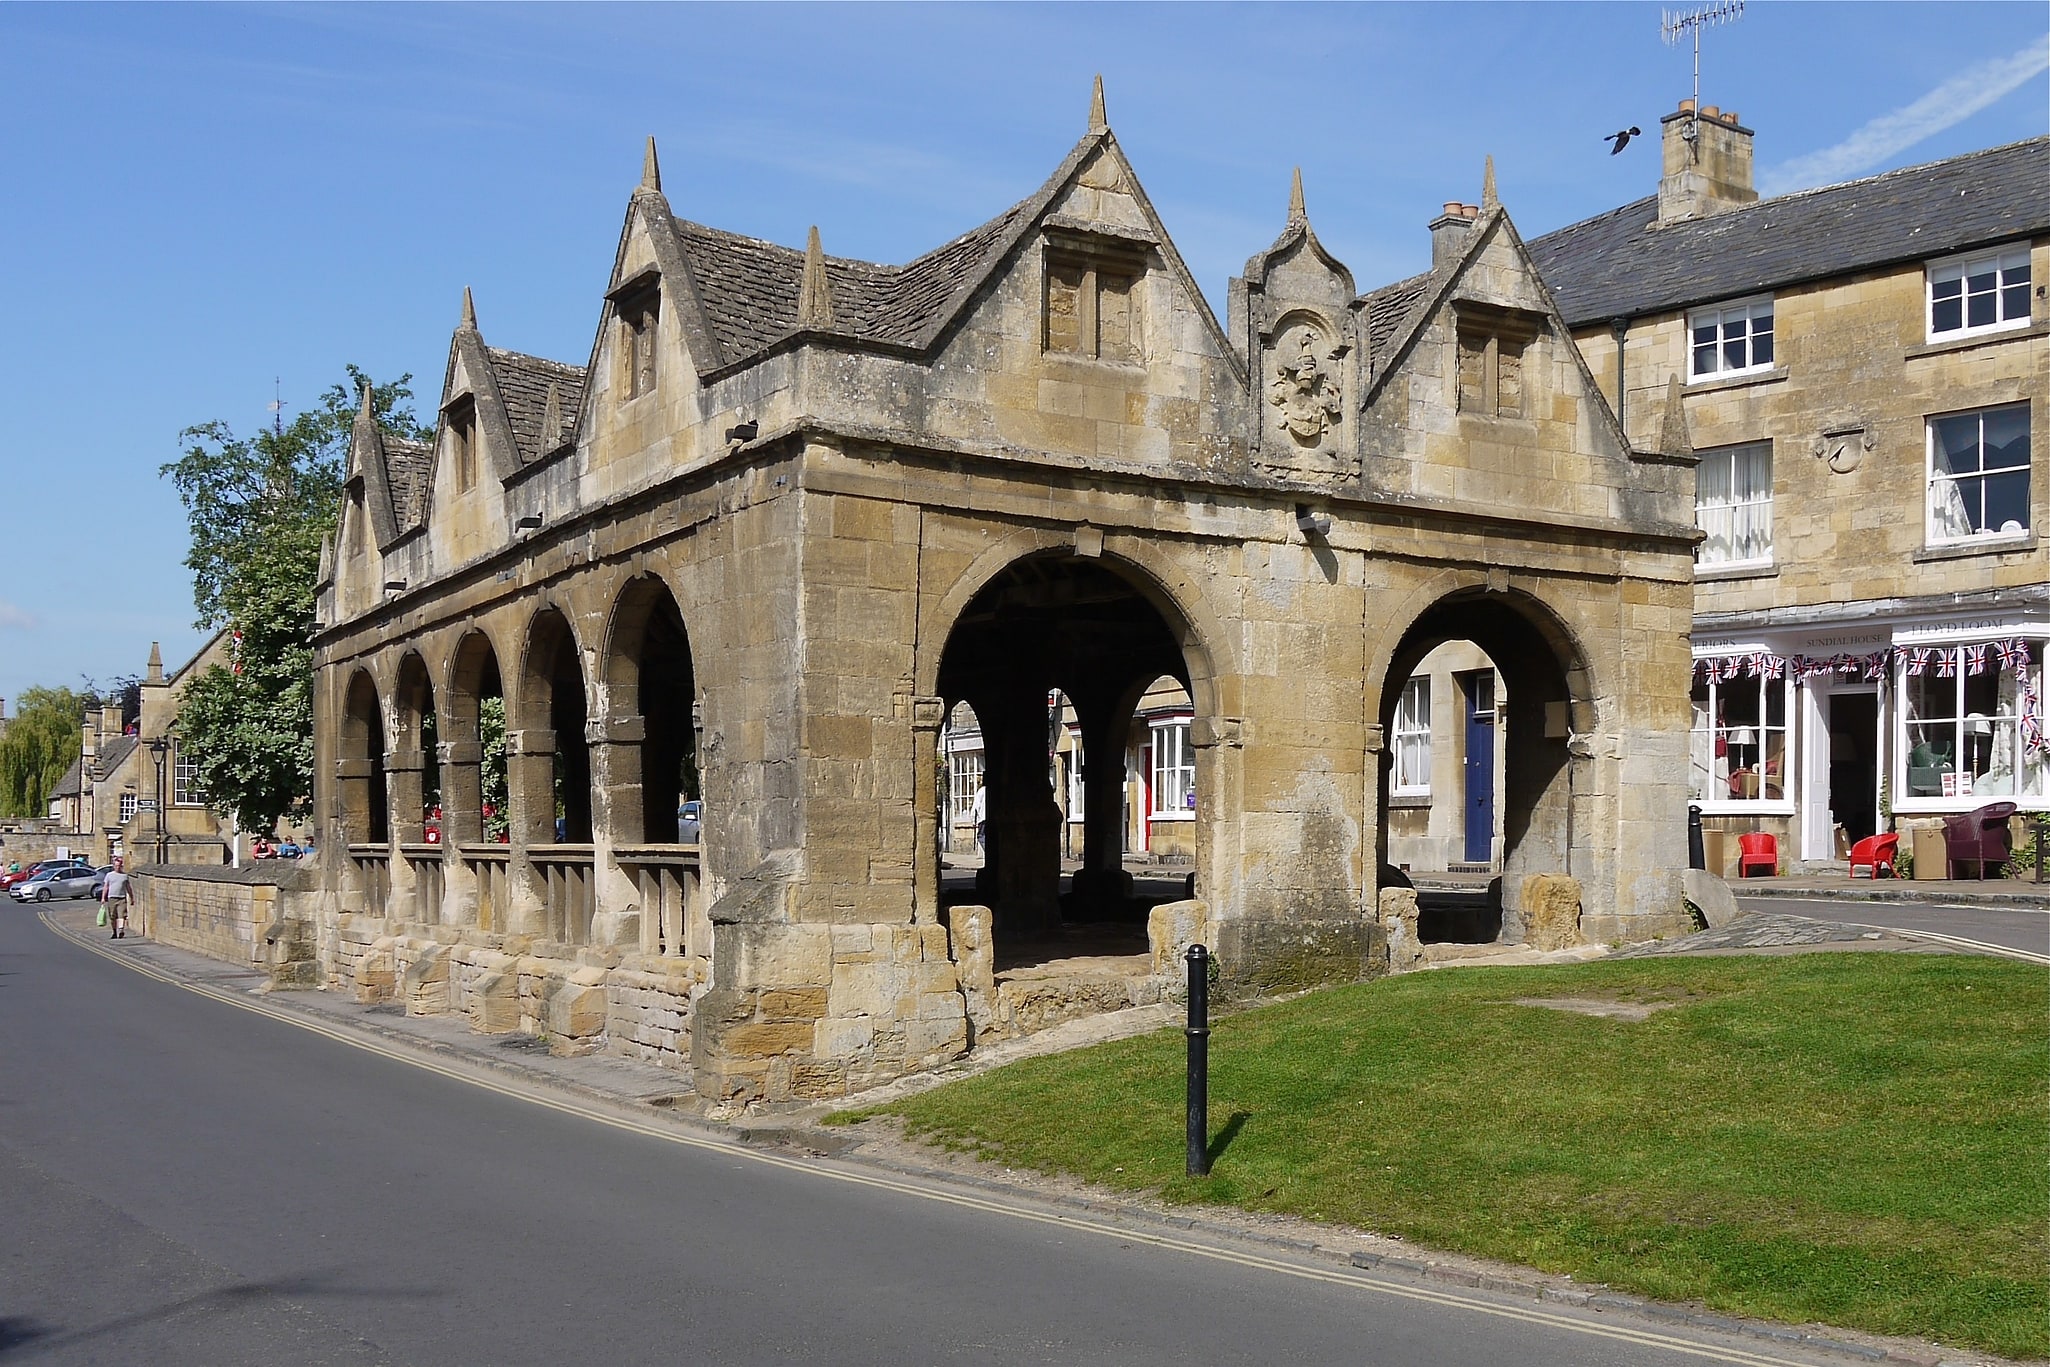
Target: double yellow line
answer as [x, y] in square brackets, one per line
[842, 1172]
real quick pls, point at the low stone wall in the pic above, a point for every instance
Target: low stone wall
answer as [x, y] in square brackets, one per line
[221, 912]
[27, 847]
[580, 999]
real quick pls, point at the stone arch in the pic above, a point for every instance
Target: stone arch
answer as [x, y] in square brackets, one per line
[365, 810]
[1096, 630]
[1174, 594]
[1548, 678]
[650, 693]
[473, 678]
[413, 767]
[547, 754]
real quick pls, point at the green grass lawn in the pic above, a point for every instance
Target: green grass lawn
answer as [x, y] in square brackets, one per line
[1860, 1139]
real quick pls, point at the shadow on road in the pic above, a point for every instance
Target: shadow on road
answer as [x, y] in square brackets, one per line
[24, 1334]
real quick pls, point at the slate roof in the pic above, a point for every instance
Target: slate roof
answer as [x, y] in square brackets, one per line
[1388, 310]
[408, 467]
[70, 785]
[115, 753]
[1617, 264]
[749, 287]
[523, 382]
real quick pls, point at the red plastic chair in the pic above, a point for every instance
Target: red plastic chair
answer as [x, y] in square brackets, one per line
[1758, 850]
[1876, 855]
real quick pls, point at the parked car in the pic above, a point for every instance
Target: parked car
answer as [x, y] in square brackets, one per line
[28, 871]
[68, 880]
[690, 822]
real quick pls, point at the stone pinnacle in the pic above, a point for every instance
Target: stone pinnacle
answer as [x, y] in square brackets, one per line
[1296, 212]
[1488, 199]
[1098, 120]
[651, 168]
[1673, 438]
[469, 310]
[814, 298]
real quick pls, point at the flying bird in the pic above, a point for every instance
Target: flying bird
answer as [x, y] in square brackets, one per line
[1622, 139]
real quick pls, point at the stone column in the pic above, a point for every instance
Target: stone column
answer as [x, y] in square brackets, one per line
[927, 798]
[403, 807]
[616, 819]
[1102, 885]
[1024, 819]
[530, 796]
[462, 823]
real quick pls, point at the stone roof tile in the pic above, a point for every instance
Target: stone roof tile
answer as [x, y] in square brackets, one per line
[523, 382]
[1618, 264]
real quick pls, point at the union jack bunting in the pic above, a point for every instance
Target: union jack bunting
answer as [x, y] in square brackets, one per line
[1946, 663]
[2014, 655]
[1975, 659]
[1875, 664]
[1775, 667]
[1918, 662]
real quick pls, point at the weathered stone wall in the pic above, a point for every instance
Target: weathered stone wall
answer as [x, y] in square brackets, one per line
[224, 913]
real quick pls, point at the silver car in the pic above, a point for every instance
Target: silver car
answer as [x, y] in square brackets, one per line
[77, 880]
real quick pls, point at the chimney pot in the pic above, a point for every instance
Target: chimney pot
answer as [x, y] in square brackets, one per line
[1687, 106]
[1730, 117]
[1709, 111]
[1452, 208]
[1470, 210]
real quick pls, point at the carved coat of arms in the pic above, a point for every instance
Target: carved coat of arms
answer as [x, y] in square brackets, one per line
[1306, 393]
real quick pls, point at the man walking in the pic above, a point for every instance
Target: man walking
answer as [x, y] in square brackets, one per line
[115, 895]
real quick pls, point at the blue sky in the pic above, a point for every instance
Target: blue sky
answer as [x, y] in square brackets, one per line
[202, 202]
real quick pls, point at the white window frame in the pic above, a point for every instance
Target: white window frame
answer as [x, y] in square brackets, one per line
[184, 781]
[965, 768]
[1412, 739]
[1941, 529]
[2027, 782]
[1174, 770]
[131, 803]
[2003, 266]
[1712, 724]
[1077, 793]
[1720, 318]
[1728, 511]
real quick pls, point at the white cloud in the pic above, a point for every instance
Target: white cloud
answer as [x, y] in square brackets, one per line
[12, 616]
[1946, 106]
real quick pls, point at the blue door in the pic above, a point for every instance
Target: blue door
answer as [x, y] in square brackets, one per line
[1479, 690]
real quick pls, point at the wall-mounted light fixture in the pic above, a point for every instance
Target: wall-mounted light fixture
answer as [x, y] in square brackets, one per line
[1312, 523]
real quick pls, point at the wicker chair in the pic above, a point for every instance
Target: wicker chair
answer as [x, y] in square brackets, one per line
[1979, 838]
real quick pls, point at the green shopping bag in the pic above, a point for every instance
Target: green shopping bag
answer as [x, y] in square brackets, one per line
[103, 914]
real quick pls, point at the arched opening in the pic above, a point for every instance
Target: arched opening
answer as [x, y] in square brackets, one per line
[1476, 778]
[414, 766]
[365, 811]
[1052, 658]
[472, 771]
[550, 761]
[651, 690]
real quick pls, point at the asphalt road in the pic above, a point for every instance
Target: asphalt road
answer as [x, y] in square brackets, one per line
[2010, 927]
[185, 1182]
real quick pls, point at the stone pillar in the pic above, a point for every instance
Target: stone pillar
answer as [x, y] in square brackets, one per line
[927, 797]
[530, 793]
[462, 823]
[1102, 885]
[403, 804]
[616, 819]
[1024, 820]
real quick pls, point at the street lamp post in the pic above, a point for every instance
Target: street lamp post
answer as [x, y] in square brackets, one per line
[159, 746]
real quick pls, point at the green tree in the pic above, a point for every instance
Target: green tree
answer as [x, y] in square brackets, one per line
[258, 508]
[39, 745]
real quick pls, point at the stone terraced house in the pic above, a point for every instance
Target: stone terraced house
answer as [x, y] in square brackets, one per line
[796, 508]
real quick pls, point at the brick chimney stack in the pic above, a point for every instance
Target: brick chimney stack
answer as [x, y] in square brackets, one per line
[1707, 164]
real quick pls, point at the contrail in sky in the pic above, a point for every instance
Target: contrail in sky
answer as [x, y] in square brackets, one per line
[1950, 103]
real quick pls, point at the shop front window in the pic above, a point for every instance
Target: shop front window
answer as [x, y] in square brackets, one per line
[1963, 736]
[1174, 771]
[1737, 747]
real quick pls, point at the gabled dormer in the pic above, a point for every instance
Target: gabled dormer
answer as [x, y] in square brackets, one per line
[1477, 394]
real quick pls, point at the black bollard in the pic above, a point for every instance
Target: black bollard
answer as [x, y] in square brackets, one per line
[1697, 857]
[1199, 1061]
